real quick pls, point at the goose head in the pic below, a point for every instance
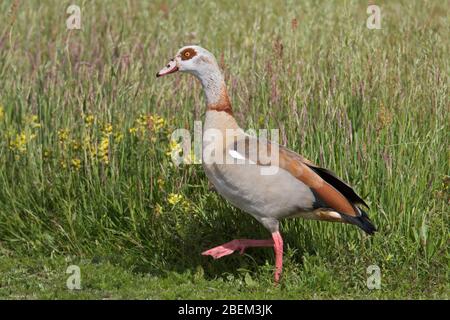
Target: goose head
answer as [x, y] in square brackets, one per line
[191, 59]
[203, 65]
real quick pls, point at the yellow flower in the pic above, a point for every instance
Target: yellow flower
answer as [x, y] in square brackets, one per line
[76, 163]
[158, 209]
[76, 145]
[107, 130]
[32, 120]
[144, 122]
[174, 198]
[161, 183]
[141, 123]
[157, 123]
[174, 148]
[191, 158]
[63, 164]
[89, 147]
[63, 135]
[103, 149]
[186, 205]
[89, 120]
[178, 199]
[20, 141]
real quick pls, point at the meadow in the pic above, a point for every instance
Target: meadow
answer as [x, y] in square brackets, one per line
[86, 176]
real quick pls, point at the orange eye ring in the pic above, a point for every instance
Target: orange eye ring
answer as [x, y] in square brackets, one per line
[187, 54]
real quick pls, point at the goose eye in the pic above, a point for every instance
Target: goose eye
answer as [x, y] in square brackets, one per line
[188, 54]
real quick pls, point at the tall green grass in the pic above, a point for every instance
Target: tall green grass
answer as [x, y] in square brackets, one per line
[371, 105]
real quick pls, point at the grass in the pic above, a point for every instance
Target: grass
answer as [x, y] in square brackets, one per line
[84, 134]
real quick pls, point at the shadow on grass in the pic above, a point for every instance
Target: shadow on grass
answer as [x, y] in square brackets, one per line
[182, 252]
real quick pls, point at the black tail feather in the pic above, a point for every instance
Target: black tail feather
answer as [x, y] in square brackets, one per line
[361, 221]
[339, 185]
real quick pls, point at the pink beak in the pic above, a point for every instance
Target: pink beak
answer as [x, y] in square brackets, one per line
[170, 68]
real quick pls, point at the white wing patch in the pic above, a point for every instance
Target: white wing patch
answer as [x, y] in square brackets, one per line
[236, 155]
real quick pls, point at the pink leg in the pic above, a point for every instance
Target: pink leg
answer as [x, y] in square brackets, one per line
[238, 244]
[241, 244]
[278, 248]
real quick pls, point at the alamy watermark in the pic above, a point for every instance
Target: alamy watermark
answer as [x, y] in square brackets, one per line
[74, 280]
[374, 20]
[73, 22]
[232, 146]
[373, 277]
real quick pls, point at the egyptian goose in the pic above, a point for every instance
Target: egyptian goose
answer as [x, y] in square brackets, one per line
[296, 188]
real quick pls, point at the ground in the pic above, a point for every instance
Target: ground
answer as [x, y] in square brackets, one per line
[86, 177]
